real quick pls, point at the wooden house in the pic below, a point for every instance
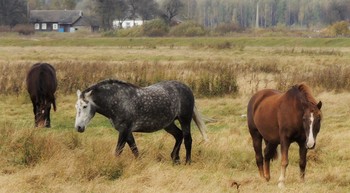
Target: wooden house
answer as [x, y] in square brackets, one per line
[61, 20]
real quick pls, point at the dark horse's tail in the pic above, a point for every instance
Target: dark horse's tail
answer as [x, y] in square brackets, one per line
[200, 123]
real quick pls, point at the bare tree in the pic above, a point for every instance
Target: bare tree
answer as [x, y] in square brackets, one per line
[149, 9]
[109, 10]
[122, 11]
[170, 9]
[134, 6]
[13, 12]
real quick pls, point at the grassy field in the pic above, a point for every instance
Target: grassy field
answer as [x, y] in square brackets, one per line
[61, 160]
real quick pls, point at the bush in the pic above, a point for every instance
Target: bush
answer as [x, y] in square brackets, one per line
[130, 32]
[188, 29]
[155, 28]
[109, 33]
[340, 28]
[225, 28]
[24, 29]
[4, 28]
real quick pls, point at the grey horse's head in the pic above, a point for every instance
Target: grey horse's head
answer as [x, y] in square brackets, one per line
[85, 110]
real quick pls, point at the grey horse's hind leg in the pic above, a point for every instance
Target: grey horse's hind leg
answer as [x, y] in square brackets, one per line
[177, 133]
[186, 131]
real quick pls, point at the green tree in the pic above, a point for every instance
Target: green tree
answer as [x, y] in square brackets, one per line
[63, 4]
[13, 12]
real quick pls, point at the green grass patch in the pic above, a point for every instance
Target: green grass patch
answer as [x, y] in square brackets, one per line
[175, 41]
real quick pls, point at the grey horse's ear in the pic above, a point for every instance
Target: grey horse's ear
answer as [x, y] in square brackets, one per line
[87, 95]
[78, 93]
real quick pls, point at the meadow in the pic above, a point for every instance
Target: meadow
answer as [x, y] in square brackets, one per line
[223, 73]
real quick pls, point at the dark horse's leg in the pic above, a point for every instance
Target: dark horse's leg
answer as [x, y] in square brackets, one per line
[177, 133]
[257, 143]
[269, 153]
[302, 161]
[48, 120]
[186, 131]
[34, 111]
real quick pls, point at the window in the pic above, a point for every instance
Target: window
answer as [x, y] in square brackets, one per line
[37, 26]
[55, 26]
[43, 26]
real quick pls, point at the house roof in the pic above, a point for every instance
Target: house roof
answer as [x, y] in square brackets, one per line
[87, 21]
[58, 16]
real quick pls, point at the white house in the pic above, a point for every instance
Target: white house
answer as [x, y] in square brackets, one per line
[127, 23]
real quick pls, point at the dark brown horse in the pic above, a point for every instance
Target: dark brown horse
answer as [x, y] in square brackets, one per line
[41, 86]
[283, 118]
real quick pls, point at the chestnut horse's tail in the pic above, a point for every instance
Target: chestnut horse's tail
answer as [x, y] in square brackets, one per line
[200, 123]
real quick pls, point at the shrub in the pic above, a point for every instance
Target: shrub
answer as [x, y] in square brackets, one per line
[109, 33]
[4, 28]
[130, 32]
[188, 29]
[340, 28]
[24, 29]
[155, 28]
[225, 28]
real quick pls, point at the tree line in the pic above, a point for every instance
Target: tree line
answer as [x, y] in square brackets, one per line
[209, 13]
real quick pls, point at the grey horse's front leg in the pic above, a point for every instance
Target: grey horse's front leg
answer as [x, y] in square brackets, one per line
[123, 135]
[132, 145]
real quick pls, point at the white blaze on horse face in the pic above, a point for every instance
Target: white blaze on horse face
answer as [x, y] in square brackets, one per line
[311, 140]
[84, 114]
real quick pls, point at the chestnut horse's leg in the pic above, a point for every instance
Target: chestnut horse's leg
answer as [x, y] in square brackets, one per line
[302, 161]
[269, 153]
[257, 144]
[284, 161]
[177, 133]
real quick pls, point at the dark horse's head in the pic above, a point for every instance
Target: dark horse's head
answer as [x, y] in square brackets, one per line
[42, 115]
[311, 118]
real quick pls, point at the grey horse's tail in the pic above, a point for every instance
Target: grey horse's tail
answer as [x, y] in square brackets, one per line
[200, 123]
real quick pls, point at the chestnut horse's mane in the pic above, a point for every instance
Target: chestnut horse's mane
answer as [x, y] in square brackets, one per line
[307, 92]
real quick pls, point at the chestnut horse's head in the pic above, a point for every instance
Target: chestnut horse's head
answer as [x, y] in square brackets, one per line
[312, 115]
[312, 123]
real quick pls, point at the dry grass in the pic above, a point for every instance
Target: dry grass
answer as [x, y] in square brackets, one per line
[62, 160]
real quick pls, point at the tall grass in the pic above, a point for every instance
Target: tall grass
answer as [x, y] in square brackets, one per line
[206, 78]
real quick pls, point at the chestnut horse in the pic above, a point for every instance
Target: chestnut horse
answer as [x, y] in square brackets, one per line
[41, 85]
[283, 118]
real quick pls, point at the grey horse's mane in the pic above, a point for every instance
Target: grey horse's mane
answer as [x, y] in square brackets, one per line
[109, 81]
